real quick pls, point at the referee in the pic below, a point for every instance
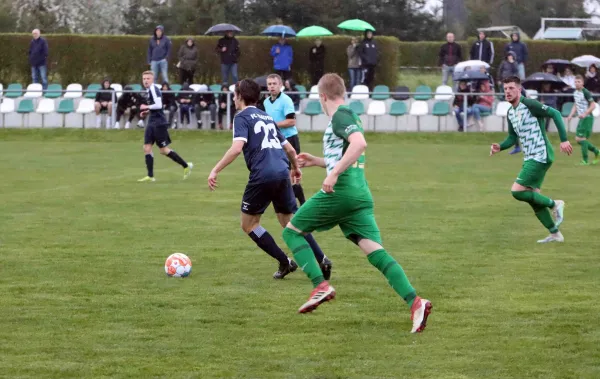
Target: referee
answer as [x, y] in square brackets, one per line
[281, 107]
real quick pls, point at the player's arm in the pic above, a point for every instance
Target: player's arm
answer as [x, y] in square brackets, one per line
[290, 121]
[240, 137]
[510, 140]
[590, 99]
[157, 99]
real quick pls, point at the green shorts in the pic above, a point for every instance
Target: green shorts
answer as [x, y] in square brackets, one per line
[352, 212]
[532, 174]
[584, 127]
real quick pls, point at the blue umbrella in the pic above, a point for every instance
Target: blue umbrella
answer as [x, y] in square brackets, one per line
[279, 31]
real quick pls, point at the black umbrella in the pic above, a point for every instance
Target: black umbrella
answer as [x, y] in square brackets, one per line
[536, 81]
[559, 64]
[222, 29]
[262, 81]
[470, 76]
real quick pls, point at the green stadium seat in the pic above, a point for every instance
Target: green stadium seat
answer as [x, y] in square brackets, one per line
[566, 109]
[176, 88]
[381, 92]
[423, 93]
[357, 107]
[26, 106]
[441, 108]
[92, 88]
[66, 106]
[301, 88]
[13, 91]
[398, 108]
[215, 88]
[54, 91]
[313, 108]
[136, 87]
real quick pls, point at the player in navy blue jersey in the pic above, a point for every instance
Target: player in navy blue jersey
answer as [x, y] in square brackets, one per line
[268, 157]
[156, 129]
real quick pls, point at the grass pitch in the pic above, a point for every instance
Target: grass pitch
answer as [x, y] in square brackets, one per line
[84, 294]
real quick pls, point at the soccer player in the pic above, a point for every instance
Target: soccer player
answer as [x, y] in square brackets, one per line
[345, 200]
[526, 119]
[156, 130]
[584, 106]
[268, 157]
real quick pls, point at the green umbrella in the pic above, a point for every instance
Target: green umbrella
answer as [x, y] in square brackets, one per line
[356, 24]
[314, 31]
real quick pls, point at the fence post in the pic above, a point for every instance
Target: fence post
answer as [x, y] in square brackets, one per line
[465, 116]
[228, 110]
[113, 116]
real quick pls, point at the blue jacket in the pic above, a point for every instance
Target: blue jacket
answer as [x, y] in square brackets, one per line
[518, 48]
[38, 52]
[283, 60]
[158, 52]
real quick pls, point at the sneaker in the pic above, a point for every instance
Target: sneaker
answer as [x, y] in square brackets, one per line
[583, 163]
[596, 158]
[127, 125]
[419, 312]
[212, 124]
[324, 292]
[516, 150]
[147, 179]
[558, 212]
[556, 237]
[326, 266]
[285, 269]
[117, 125]
[140, 124]
[199, 124]
[188, 170]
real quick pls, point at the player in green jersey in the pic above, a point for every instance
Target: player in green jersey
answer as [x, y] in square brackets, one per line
[345, 200]
[584, 106]
[526, 118]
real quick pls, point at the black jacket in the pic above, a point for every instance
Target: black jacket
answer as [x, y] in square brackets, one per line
[519, 48]
[482, 51]
[38, 52]
[450, 54]
[129, 99]
[104, 96]
[209, 97]
[232, 54]
[186, 95]
[459, 99]
[316, 57]
[369, 54]
[593, 84]
[168, 99]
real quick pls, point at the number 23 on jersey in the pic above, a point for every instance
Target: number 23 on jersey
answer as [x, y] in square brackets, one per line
[270, 141]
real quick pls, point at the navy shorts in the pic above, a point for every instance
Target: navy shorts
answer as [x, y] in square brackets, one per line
[257, 197]
[158, 135]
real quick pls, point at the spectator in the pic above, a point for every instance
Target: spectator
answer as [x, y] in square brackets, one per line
[223, 106]
[459, 106]
[484, 102]
[354, 63]
[316, 59]
[520, 50]
[283, 56]
[188, 59]
[103, 103]
[568, 78]
[128, 101]
[592, 81]
[185, 98]
[369, 58]
[38, 56]
[508, 67]
[550, 70]
[205, 101]
[551, 101]
[159, 49]
[484, 70]
[290, 86]
[229, 49]
[450, 55]
[482, 49]
[169, 103]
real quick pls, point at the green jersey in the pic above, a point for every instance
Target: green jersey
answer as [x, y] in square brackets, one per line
[583, 99]
[526, 122]
[335, 142]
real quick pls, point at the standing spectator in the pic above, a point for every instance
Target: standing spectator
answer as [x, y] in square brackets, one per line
[484, 102]
[592, 81]
[482, 49]
[188, 59]
[38, 56]
[229, 49]
[508, 67]
[159, 49]
[316, 59]
[205, 101]
[290, 86]
[369, 58]
[459, 105]
[520, 49]
[185, 98]
[283, 56]
[131, 101]
[103, 103]
[223, 106]
[354, 63]
[450, 55]
[169, 103]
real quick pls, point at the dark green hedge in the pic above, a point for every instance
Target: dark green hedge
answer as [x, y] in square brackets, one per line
[87, 58]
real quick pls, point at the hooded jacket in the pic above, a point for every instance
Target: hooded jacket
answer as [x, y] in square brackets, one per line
[283, 60]
[518, 47]
[482, 50]
[592, 81]
[159, 49]
[104, 96]
[38, 52]
[232, 52]
[507, 69]
[368, 52]
[188, 56]
[129, 99]
[168, 99]
[316, 57]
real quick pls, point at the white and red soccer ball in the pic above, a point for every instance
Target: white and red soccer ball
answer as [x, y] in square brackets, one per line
[178, 265]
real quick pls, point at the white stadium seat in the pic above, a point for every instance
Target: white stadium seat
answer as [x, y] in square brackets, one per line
[443, 93]
[9, 117]
[314, 93]
[34, 90]
[376, 108]
[502, 108]
[532, 94]
[1, 89]
[197, 87]
[419, 108]
[7, 106]
[360, 92]
[46, 109]
[232, 88]
[45, 106]
[596, 111]
[118, 89]
[85, 106]
[74, 90]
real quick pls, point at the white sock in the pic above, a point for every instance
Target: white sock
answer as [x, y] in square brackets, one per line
[127, 125]
[98, 121]
[107, 122]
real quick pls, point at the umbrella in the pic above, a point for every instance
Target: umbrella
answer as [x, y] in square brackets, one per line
[559, 64]
[314, 31]
[262, 81]
[469, 76]
[536, 81]
[474, 65]
[222, 29]
[356, 24]
[586, 61]
[279, 31]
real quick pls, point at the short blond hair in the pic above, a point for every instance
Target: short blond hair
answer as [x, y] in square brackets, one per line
[332, 86]
[148, 73]
[275, 76]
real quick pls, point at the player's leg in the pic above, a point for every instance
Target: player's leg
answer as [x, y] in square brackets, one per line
[149, 158]
[163, 140]
[298, 190]
[97, 110]
[589, 125]
[108, 114]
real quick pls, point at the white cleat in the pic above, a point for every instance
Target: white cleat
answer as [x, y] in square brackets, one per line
[558, 212]
[419, 312]
[556, 237]
[188, 170]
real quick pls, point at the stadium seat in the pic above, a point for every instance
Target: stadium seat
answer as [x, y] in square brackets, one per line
[86, 107]
[215, 87]
[318, 121]
[301, 89]
[418, 109]
[118, 89]
[357, 107]
[54, 91]
[313, 108]
[596, 111]
[360, 92]
[7, 106]
[1, 89]
[314, 93]
[532, 94]
[443, 93]
[67, 109]
[45, 106]
[136, 87]
[50, 119]
[92, 90]
[423, 93]
[176, 88]
[196, 87]
[231, 88]
[381, 92]
[73, 91]
[497, 123]
[399, 110]
[25, 108]
[400, 93]
[566, 110]
[441, 110]
[376, 110]
[13, 91]
[34, 90]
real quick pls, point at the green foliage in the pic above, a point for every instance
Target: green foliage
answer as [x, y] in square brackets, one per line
[88, 58]
[424, 54]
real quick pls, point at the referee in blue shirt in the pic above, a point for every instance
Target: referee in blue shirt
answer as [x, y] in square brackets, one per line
[281, 108]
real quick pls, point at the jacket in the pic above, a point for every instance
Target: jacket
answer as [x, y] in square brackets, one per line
[482, 51]
[232, 53]
[188, 56]
[353, 56]
[459, 99]
[168, 99]
[592, 84]
[159, 49]
[316, 57]
[283, 60]
[104, 96]
[38, 52]
[208, 97]
[507, 69]
[129, 99]
[368, 52]
[486, 100]
[450, 54]
[185, 93]
[519, 48]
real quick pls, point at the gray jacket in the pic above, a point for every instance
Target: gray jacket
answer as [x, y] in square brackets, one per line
[353, 56]
[188, 56]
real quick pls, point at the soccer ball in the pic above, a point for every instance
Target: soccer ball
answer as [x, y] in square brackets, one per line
[178, 265]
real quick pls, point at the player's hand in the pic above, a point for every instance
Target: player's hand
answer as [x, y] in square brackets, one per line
[296, 176]
[569, 119]
[305, 160]
[203, 104]
[212, 181]
[277, 51]
[582, 116]
[495, 148]
[329, 183]
[143, 114]
[144, 107]
[566, 147]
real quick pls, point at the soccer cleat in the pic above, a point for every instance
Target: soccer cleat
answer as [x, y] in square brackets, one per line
[324, 292]
[419, 312]
[188, 170]
[516, 150]
[556, 237]
[559, 212]
[147, 179]
[285, 269]
[326, 266]
[583, 163]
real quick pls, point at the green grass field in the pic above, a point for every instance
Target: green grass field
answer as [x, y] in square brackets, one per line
[84, 294]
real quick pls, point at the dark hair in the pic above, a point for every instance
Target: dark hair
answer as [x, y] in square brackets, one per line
[512, 79]
[248, 90]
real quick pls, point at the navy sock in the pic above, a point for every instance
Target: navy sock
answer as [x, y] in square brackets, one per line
[299, 193]
[265, 241]
[150, 165]
[319, 255]
[176, 158]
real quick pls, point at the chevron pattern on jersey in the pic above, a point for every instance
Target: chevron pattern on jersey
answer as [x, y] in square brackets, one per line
[580, 102]
[333, 148]
[529, 130]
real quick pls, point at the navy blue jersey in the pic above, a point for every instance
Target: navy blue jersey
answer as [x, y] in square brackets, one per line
[263, 150]
[157, 116]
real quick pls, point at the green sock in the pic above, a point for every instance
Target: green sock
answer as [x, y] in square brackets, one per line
[592, 148]
[303, 255]
[394, 273]
[533, 198]
[584, 150]
[543, 214]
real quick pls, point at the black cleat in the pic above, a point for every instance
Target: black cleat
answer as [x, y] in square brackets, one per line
[326, 267]
[285, 269]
